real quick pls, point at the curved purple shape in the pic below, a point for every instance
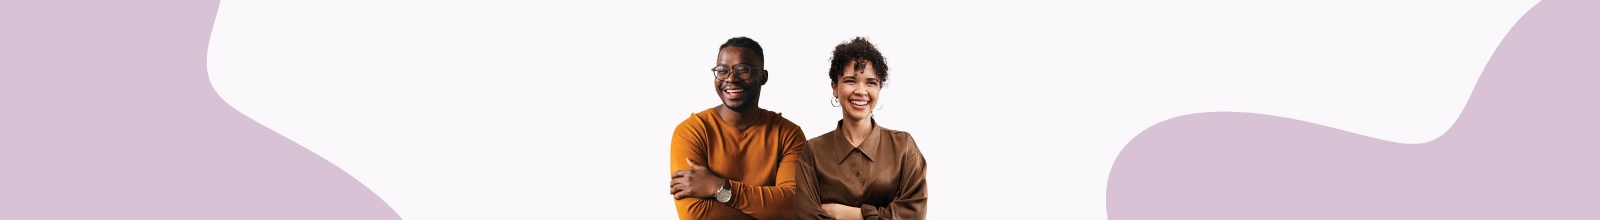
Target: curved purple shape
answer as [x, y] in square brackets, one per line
[1525, 147]
[108, 114]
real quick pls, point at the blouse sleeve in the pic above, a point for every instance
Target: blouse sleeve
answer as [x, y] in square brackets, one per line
[807, 204]
[912, 198]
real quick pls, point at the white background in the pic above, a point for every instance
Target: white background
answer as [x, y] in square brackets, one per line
[532, 110]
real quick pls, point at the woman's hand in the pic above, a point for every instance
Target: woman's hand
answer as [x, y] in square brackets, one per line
[842, 212]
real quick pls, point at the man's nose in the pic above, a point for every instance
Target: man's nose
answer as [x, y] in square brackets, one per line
[729, 78]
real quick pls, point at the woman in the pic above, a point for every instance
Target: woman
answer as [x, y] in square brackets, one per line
[860, 170]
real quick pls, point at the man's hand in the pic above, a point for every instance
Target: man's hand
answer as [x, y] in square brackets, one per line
[841, 212]
[696, 182]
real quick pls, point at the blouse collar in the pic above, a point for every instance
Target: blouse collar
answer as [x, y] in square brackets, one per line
[869, 146]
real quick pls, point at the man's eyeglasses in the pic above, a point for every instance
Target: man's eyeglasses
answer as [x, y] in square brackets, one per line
[739, 72]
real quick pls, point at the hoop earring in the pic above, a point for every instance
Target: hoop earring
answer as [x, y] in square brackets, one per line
[835, 102]
[874, 112]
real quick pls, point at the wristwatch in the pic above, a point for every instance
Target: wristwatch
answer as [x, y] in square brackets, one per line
[723, 194]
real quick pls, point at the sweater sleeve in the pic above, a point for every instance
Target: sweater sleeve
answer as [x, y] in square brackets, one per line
[688, 142]
[773, 202]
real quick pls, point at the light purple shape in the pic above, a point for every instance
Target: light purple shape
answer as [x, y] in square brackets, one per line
[106, 112]
[1527, 146]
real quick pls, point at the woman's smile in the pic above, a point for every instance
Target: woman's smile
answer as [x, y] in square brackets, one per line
[859, 104]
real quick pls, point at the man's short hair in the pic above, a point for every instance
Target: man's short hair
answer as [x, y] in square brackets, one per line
[857, 49]
[746, 43]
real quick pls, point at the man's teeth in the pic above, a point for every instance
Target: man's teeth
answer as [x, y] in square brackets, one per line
[858, 102]
[732, 90]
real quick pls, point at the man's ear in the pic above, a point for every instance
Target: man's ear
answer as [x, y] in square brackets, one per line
[762, 79]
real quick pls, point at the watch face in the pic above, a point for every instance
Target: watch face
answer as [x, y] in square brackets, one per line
[723, 195]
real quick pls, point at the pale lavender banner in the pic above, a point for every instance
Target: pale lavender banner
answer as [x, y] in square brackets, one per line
[106, 112]
[1527, 146]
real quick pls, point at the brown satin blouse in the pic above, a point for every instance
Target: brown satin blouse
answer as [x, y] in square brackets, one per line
[884, 176]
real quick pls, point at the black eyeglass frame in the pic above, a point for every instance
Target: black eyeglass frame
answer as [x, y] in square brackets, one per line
[721, 72]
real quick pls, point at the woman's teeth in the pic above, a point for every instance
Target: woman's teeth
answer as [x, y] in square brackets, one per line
[858, 102]
[732, 90]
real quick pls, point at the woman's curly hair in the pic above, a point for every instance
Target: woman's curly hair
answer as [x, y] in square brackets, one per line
[858, 50]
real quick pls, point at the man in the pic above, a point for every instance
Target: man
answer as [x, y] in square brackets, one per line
[736, 160]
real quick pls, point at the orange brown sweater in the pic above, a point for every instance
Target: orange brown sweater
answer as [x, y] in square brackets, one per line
[759, 163]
